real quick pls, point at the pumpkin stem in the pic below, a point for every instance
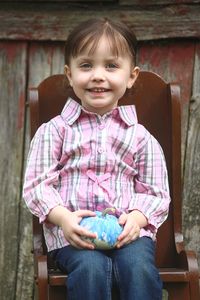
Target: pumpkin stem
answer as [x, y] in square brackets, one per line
[107, 210]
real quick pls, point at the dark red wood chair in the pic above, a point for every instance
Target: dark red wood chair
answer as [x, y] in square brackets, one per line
[158, 108]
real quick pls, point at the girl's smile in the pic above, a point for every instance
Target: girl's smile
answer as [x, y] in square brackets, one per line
[100, 79]
[96, 92]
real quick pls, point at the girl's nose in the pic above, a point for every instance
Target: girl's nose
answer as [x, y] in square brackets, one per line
[98, 74]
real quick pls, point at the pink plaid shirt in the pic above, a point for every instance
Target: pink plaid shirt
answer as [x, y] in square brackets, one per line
[82, 160]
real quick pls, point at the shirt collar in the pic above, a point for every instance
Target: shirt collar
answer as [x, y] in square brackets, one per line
[73, 109]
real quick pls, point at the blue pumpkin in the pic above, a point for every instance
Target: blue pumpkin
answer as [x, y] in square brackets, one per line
[106, 227]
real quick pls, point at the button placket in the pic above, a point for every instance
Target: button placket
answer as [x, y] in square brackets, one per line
[101, 137]
[100, 150]
[102, 126]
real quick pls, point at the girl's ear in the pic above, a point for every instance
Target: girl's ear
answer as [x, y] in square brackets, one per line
[133, 76]
[68, 74]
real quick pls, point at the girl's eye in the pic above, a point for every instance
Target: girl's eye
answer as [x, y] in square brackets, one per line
[111, 66]
[85, 66]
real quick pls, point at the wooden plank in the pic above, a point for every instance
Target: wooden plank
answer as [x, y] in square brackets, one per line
[25, 272]
[157, 2]
[191, 191]
[55, 1]
[121, 2]
[36, 22]
[44, 59]
[168, 60]
[12, 86]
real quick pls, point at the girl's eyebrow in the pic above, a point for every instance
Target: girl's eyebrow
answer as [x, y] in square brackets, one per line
[79, 57]
[85, 58]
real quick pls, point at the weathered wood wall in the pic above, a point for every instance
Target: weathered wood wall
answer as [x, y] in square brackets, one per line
[31, 48]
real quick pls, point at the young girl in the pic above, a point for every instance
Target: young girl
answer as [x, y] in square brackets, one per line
[93, 156]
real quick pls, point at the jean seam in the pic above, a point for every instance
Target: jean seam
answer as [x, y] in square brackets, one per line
[109, 277]
[117, 277]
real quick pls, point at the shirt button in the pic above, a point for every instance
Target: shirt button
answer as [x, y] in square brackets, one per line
[100, 150]
[101, 126]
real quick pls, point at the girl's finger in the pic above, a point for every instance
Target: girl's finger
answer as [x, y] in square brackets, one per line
[122, 219]
[79, 243]
[130, 237]
[85, 213]
[127, 228]
[81, 231]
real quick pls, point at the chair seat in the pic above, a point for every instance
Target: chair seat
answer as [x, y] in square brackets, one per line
[174, 275]
[56, 278]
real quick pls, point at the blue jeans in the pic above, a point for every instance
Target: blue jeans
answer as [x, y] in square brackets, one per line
[93, 273]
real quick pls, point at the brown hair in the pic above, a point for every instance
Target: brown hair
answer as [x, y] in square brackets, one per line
[88, 33]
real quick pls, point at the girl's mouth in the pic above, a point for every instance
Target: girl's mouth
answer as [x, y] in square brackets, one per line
[98, 90]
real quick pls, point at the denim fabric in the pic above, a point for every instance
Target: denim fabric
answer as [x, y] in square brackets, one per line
[93, 273]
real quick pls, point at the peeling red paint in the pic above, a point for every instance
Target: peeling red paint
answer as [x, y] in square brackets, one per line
[21, 111]
[150, 21]
[173, 61]
[9, 48]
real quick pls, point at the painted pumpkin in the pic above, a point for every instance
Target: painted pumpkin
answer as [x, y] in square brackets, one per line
[106, 227]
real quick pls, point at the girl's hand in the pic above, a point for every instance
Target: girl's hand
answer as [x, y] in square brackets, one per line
[69, 222]
[131, 230]
[73, 231]
[132, 223]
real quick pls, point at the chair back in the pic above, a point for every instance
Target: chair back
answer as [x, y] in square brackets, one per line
[158, 109]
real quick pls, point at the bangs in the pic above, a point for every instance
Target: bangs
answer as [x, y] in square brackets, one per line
[116, 42]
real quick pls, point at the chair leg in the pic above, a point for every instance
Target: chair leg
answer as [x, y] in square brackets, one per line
[177, 291]
[194, 289]
[193, 275]
[42, 280]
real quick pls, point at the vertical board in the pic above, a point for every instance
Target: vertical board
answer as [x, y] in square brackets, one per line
[174, 62]
[12, 87]
[44, 59]
[191, 191]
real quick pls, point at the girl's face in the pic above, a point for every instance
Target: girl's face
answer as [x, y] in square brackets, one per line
[100, 79]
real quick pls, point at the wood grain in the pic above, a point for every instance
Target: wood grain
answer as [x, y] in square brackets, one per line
[191, 191]
[12, 87]
[169, 61]
[36, 22]
[157, 2]
[44, 59]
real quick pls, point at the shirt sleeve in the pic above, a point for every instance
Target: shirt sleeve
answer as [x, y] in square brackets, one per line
[42, 171]
[151, 182]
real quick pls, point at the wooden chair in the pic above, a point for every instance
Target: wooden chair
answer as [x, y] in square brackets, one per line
[158, 109]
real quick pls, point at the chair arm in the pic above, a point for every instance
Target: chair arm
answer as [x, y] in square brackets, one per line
[188, 260]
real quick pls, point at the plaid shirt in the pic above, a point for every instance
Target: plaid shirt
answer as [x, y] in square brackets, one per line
[82, 160]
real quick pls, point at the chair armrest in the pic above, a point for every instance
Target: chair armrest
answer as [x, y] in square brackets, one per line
[188, 260]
